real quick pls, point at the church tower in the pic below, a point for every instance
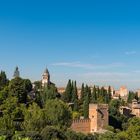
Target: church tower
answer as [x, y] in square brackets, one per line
[46, 78]
[16, 73]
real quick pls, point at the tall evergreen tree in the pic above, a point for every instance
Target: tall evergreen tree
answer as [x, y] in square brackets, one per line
[109, 93]
[82, 94]
[3, 80]
[74, 92]
[86, 91]
[75, 96]
[68, 92]
[86, 107]
[98, 92]
[101, 95]
[94, 95]
[106, 98]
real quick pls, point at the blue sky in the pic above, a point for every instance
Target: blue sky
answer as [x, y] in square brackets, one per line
[91, 41]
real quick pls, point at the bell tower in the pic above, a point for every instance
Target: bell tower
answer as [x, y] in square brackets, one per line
[46, 78]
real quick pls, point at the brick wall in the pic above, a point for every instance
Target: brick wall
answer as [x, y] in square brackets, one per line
[81, 125]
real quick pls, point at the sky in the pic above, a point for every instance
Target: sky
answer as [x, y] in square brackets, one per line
[91, 41]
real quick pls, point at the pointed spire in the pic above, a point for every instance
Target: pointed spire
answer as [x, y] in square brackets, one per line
[16, 72]
[46, 70]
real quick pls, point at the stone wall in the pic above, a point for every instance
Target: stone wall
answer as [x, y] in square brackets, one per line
[81, 125]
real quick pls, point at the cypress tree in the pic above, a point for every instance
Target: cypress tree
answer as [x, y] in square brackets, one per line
[3, 80]
[106, 100]
[82, 94]
[75, 96]
[109, 93]
[86, 107]
[89, 93]
[98, 92]
[68, 92]
[74, 92]
[86, 92]
[94, 95]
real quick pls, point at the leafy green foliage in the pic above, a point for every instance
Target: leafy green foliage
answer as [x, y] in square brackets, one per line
[11, 110]
[49, 92]
[131, 96]
[19, 87]
[55, 110]
[115, 118]
[3, 80]
[52, 133]
[34, 119]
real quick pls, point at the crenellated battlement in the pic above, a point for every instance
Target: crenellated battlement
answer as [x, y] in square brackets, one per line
[81, 120]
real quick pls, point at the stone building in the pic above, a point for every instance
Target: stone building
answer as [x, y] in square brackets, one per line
[135, 108]
[131, 110]
[45, 78]
[97, 122]
[122, 92]
[138, 92]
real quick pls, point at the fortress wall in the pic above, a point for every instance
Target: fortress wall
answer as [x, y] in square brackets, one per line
[81, 125]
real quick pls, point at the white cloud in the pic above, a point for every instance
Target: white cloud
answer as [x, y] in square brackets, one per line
[105, 74]
[130, 52]
[78, 64]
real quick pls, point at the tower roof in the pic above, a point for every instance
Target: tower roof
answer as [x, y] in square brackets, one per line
[46, 70]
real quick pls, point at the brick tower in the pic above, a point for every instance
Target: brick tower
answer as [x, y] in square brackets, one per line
[98, 114]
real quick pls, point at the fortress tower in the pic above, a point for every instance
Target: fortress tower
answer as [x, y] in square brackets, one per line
[97, 122]
[46, 78]
[98, 114]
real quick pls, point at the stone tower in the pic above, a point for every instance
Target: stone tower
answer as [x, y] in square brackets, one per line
[16, 73]
[98, 114]
[46, 78]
